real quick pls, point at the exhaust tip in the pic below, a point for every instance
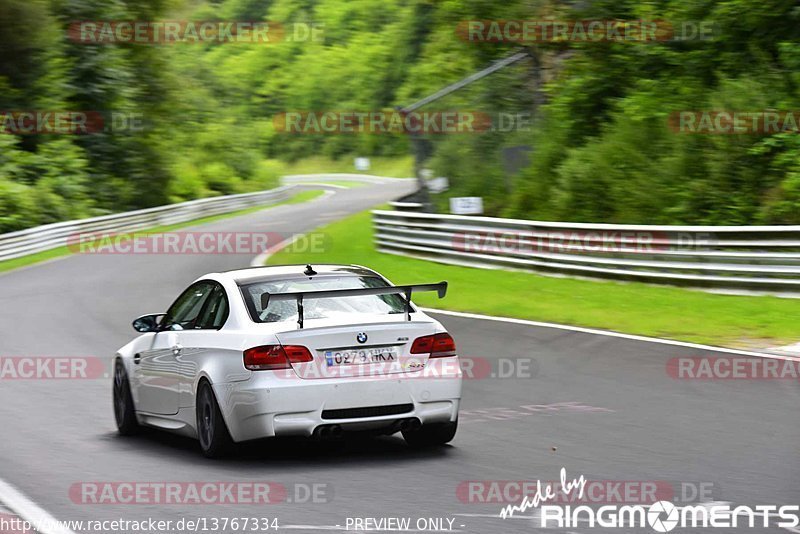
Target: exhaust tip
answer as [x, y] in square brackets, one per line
[327, 432]
[407, 425]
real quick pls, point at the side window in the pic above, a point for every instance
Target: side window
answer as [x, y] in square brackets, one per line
[215, 311]
[183, 313]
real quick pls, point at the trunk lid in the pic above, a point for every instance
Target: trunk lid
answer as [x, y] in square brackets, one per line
[358, 350]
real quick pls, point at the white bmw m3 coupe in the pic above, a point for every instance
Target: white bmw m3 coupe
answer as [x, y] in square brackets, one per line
[290, 351]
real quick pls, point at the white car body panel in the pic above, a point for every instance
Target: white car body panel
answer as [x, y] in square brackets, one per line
[165, 369]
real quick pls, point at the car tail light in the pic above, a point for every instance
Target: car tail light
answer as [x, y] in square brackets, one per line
[298, 353]
[275, 357]
[438, 345]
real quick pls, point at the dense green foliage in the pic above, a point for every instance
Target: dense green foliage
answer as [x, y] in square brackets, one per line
[604, 153]
[600, 148]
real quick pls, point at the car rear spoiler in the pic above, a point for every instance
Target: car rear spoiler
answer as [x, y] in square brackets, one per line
[299, 296]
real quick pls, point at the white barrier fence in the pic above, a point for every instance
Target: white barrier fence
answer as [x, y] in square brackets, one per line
[50, 236]
[733, 257]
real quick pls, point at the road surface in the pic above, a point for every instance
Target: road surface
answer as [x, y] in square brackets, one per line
[598, 406]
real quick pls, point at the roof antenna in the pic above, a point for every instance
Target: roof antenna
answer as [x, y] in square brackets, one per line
[309, 271]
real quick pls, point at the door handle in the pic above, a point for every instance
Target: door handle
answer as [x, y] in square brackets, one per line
[137, 358]
[176, 349]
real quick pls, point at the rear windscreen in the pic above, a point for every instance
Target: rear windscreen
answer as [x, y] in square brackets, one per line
[256, 297]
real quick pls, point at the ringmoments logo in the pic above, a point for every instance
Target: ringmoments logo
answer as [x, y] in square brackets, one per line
[660, 516]
[664, 516]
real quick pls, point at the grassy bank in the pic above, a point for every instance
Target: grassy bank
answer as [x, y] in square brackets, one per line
[396, 167]
[733, 321]
[348, 184]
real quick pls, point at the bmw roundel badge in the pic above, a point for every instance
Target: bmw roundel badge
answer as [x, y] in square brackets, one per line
[361, 337]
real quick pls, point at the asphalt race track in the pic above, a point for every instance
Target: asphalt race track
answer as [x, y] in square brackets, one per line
[599, 406]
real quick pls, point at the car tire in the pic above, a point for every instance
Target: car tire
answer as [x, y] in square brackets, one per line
[212, 432]
[431, 435]
[124, 411]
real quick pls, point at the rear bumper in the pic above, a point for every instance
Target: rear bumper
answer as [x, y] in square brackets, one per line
[266, 406]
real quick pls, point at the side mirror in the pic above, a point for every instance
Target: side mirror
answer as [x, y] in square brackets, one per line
[147, 323]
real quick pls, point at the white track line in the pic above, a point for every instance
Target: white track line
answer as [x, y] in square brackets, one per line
[29, 511]
[261, 259]
[787, 349]
[323, 184]
[610, 333]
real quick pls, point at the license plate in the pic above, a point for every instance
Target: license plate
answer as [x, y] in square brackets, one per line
[360, 356]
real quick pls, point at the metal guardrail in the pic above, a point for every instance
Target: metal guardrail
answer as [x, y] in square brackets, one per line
[407, 206]
[50, 236]
[763, 258]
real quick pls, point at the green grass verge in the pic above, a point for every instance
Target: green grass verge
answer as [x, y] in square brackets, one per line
[302, 196]
[674, 313]
[396, 167]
